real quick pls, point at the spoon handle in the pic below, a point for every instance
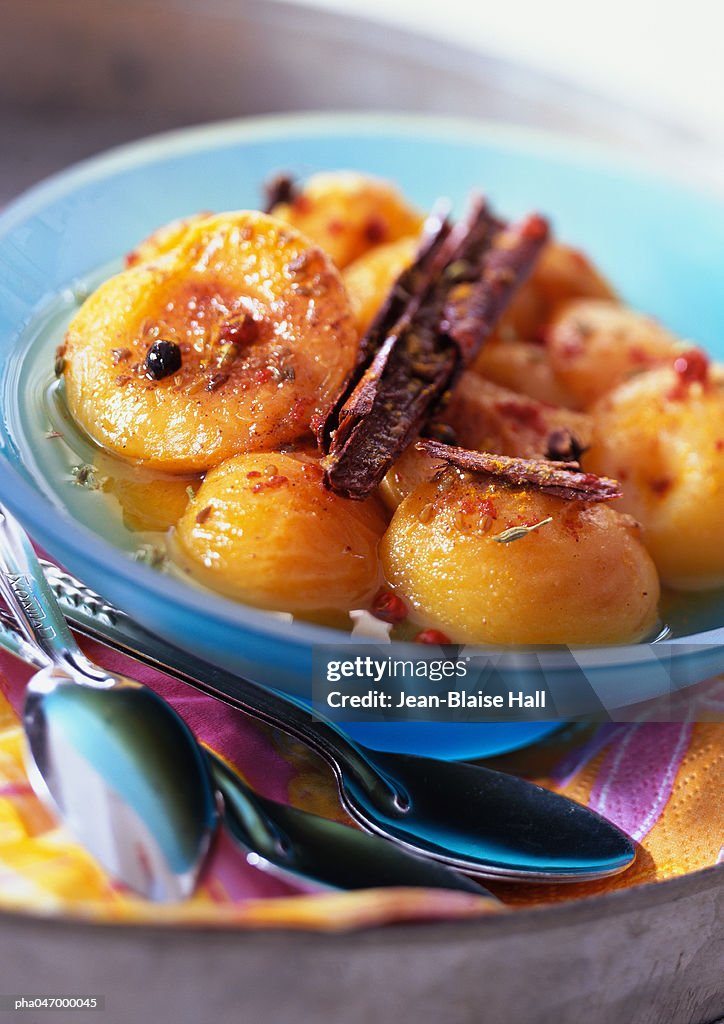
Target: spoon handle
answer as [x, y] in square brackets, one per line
[31, 598]
[94, 617]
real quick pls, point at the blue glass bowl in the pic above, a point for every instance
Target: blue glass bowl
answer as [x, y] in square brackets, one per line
[659, 242]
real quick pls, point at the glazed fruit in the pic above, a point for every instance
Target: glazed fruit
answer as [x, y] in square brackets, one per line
[348, 214]
[263, 529]
[662, 435]
[233, 340]
[593, 345]
[580, 576]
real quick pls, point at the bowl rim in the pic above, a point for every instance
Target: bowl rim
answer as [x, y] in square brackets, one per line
[32, 507]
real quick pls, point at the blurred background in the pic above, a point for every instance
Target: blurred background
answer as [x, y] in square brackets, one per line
[644, 75]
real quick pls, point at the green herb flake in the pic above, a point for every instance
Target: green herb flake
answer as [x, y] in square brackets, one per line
[518, 532]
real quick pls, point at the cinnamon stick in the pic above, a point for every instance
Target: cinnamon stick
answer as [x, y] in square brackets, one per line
[562, 479]
[449, 306]
[406, 293]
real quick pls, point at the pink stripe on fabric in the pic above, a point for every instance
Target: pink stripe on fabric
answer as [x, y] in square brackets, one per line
[637, 776]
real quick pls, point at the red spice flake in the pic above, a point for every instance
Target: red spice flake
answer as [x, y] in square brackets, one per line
[692, 367]
[389, 607]
[534, 227]
[570, 525]
[375, 230]
[204, 514]
[640, 356]
[242, 330]
[317, 422]
[131, 259]
[487, 506]
[262, 375]
[270, 484]
[719, 444]
[335, 226]
[432, 636]
[253, 473]
[300, 410]
[120, 355]
[661, 485]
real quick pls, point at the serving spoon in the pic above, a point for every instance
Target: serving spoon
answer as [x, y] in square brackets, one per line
[292, 844]
[113, 760]
[469, 817]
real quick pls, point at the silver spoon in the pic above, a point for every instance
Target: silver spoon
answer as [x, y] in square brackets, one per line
[292, 844]
[469, 817]
[117, 765]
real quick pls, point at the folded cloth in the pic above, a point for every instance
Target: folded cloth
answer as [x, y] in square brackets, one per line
[661, 783]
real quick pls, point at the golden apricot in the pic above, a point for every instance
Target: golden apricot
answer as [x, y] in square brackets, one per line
[149, 500]
[593, 345]
[582, 576]
[662, 436]
[163, 239]
[263, 529]
[522, 366]
[347, 214]
[260, 322]
[560, 274]
[515, 356]
[369, 279]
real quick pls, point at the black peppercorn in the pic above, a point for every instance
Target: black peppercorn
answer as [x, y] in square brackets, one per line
[564, 446]
[162, 359]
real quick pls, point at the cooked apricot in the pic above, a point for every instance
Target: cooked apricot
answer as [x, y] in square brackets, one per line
[581, 576]
[263, 529]
[522, 366]
[662, 435]
[369, 279]
[348, 213]
[258, 323]
[163, 239]
[515, 356]
[593, 345]
[148, 500]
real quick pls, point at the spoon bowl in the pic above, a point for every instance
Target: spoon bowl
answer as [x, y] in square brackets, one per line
[113, 760]
[114, 765]
[472, 818]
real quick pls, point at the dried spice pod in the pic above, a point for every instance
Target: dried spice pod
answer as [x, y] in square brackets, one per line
[461, 290]
[562, 479]
[281, 188]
